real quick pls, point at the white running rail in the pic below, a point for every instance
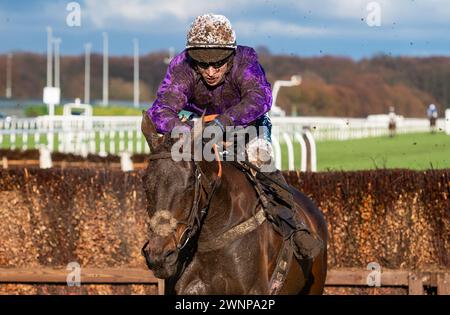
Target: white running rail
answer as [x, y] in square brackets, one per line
[117, 134]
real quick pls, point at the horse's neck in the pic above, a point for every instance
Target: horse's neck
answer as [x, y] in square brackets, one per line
[230, 204]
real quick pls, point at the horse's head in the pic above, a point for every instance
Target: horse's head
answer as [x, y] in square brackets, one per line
[177, 196]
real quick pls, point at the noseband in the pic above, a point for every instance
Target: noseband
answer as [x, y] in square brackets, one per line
[195, 217]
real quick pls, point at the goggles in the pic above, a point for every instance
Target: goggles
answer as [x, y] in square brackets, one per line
[215, 65]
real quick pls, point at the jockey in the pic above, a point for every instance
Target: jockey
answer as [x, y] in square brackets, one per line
[392, 121]
[216, 75]
[432, 111]
[432, 114]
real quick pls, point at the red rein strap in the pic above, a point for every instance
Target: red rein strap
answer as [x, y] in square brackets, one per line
[216, 152]
[209, 118]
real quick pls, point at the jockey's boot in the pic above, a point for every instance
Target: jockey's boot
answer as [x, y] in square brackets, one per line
[306, 244]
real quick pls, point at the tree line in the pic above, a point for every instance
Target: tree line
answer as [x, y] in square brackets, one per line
[331, 86]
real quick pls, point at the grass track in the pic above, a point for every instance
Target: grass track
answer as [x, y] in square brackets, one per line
[413, 151]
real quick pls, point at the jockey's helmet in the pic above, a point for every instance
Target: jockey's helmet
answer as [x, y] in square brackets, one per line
[211, 38]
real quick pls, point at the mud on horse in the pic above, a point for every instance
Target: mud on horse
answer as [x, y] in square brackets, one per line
[208, 233]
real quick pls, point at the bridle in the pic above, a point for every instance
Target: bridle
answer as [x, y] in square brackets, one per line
[195, 217]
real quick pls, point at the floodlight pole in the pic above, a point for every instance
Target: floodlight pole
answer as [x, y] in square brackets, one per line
[9, 75]
[49, 57]
[87, 73]
[105, 69]
[136, 72]
[57, 42]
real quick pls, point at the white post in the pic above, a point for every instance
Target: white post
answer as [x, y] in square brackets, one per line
[36, 139]
[290, 148]
[121, 140]
[12, 139]
[50, 135]
[312, 146]
[87, 73]
[57, 42]
[92, 142]
[49, 57]
[105, 69]
[303, 151]
[277, 149]
[25, 137]
[125, 162]
[130, 141]
[136, 73]
[139, 144]
[45, 158]
[447, 121]
[9, 76]
[102, 144]
[112, 142]
[84, 143]
[78, 141]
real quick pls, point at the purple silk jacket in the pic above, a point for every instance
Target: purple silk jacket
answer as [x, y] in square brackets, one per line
[240, 99]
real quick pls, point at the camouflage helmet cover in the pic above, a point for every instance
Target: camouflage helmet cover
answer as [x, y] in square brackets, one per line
[211, 31]
[211, 38]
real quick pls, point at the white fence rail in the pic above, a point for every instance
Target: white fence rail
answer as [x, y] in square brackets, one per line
[324, 128]
[118, 134]
[75, 134]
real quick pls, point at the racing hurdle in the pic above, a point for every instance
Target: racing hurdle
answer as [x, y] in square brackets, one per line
[415, 281]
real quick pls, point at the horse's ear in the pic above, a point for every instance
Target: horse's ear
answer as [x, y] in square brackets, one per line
[149, 131]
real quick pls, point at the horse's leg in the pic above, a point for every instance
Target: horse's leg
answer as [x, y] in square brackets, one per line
[190, 282]
[239, 268]
[317, 276]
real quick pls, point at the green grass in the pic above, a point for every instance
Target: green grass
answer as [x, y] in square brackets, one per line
[413, 151]
[116, 111]
[418, 151]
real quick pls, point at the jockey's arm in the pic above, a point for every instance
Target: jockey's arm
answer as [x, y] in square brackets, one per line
[172, 96]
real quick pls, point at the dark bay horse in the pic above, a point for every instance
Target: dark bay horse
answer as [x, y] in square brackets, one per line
[204, 236]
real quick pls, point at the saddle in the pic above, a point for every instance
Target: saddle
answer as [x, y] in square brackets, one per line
[278, 203]
[276, 191]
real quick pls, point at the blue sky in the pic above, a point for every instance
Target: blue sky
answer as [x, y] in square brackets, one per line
[297, 27]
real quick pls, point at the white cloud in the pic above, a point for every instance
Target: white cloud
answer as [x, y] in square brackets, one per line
[177, 14]
[278, 28]
[108, 13]
[391, 10]
[324, 18]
